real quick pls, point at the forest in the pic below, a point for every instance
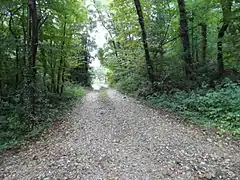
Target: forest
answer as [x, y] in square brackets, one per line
[44, 59]
[177, 54]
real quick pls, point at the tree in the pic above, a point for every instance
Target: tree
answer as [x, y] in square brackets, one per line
[226, 12]
[185, 40]
[204, 41]
[33, 30]
[188, 28]
[102, 19]
[41, 44]
[144, 40]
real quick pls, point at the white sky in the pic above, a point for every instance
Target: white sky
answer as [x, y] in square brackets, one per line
[99, 35]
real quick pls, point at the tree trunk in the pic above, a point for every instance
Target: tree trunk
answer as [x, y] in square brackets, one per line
[63, 77]
[33, 27]
[16, 39]
[60, 68]
[192, 37]
[33, 45]
[1, 74]
[144, 40]
[52, 63]
[115, 48]
[220, 60]
[25, 44]
[196, 49]
[185, 40]
[43, 59]
[204, 41]
[226, 10]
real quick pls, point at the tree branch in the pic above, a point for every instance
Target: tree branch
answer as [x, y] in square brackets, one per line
[42, 21]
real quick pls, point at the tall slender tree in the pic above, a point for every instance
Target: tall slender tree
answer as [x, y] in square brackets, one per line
[61, 63]
[204, 41]
[185, 40]
[144, 40]
[33, 25]
[226, 11]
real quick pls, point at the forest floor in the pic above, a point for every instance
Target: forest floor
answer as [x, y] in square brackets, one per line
[110, 136]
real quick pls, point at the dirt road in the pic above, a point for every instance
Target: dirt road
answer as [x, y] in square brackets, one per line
[110, 137]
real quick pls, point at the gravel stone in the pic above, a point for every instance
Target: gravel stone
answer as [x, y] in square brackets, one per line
[110, 136]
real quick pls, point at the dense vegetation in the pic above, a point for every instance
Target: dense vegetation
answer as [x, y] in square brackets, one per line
[44, 58]
[177, 54]
[217, 108]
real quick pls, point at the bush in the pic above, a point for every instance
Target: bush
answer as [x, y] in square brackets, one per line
[219, 107]
[18, 124]
[134, 84]
[74, 91]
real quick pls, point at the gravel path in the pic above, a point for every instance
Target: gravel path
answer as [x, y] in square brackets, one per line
[112, 137]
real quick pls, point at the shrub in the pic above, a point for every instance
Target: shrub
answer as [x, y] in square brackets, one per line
[219, 107]
[17, 123]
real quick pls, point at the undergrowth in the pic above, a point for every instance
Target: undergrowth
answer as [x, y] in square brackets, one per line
[219, 107]
[18, 125]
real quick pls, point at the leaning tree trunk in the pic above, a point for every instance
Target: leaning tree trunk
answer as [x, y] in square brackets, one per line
[185, 40]
[226, 10]
[144, 40]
